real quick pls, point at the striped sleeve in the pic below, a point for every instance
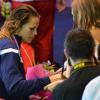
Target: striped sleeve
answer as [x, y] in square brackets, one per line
[13, 77]
[2, 52]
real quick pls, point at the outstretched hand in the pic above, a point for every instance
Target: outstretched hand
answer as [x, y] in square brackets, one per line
[52, 85]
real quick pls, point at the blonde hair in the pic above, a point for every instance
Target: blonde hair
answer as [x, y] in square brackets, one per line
[86, 13]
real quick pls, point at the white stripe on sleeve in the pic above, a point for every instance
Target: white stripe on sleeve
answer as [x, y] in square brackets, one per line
[8, 51]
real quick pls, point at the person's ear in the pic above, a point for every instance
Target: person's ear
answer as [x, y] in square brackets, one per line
[65, 52]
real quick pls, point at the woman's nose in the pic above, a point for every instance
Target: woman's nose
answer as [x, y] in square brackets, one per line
[34, 33]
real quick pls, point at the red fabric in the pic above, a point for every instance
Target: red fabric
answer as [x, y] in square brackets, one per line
[43, 41]
[28, 55]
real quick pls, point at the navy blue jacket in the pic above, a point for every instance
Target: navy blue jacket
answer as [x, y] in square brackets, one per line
[13, 85]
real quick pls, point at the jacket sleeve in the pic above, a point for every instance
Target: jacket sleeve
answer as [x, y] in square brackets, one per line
[13, 79]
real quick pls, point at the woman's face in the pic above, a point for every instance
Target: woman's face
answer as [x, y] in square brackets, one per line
[29, 30]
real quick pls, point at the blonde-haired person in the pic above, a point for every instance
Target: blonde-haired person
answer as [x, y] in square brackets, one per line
[86, 14]
[21, 26]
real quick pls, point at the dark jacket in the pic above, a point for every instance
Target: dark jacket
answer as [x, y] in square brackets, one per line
[13, 85]
[72, 88]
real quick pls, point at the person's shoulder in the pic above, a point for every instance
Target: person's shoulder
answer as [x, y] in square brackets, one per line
[92, 90]
[6, 43]
[93, 83]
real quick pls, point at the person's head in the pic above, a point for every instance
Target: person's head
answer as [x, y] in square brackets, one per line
[61, 5]
[79, 44]
[61, 2]
[23, 21]
[86, 13]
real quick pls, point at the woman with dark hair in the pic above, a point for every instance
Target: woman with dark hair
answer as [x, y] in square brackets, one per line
[21, 26]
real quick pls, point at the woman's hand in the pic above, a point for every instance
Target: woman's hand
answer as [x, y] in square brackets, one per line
[55, 77]
[34, 97]
[52, 85]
